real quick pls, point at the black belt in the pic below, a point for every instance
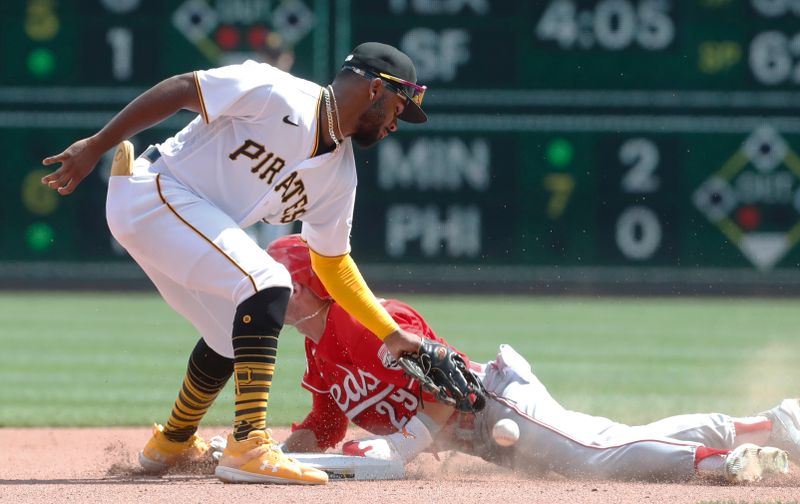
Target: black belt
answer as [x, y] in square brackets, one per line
[151, 154]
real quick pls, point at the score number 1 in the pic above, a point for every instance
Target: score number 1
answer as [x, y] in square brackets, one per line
[121, 42]
[120, 39]
[638, 231]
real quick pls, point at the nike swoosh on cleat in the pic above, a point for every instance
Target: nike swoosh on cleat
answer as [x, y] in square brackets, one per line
[287, 120]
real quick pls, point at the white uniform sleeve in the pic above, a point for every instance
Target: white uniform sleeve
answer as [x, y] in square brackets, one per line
[332, 237]
[234, 90]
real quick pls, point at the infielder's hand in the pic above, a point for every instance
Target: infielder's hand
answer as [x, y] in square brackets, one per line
[402, 342]
[77, 161]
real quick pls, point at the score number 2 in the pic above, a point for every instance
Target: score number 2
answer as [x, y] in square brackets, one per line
[638, 229]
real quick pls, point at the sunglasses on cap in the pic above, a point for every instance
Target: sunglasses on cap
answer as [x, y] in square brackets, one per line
[404, 89]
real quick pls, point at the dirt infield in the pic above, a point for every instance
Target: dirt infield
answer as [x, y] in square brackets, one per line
[99, 465]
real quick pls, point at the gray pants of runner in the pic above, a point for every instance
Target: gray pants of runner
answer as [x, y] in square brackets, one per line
[578, 445]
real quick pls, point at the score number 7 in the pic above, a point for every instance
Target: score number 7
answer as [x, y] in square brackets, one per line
[560, 186]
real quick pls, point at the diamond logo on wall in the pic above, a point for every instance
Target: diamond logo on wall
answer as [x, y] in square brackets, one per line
[231, 31]
[293, 20]
[754, 198]
[195, 19]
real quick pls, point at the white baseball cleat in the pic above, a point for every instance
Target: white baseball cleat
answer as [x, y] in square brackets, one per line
[785, 419]
[749, 462]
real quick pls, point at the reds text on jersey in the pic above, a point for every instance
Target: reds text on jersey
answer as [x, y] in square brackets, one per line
[343, 368]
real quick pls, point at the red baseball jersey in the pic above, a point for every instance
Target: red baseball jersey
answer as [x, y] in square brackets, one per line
[349, 382]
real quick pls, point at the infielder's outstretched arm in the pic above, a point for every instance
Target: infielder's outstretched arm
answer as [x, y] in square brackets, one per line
[151, 107]
[341, 278]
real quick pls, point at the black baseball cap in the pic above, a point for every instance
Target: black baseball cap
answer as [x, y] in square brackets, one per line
[396, 69]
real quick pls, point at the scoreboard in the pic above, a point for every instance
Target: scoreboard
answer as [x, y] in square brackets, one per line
[70, 65]
[568, 140]
[606, 134]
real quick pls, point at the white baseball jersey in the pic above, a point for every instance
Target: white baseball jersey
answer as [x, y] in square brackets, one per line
[250, 155]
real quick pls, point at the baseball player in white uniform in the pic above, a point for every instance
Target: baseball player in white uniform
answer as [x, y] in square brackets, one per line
[349, 382]
[265, 146]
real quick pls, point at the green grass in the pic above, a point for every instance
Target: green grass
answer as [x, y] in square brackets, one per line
[117, 359]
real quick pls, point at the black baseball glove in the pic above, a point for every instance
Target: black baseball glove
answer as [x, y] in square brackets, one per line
[443, 373]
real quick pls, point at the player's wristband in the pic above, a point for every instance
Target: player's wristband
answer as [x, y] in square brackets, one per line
[401, 446]
[344, 282]
[411, 440]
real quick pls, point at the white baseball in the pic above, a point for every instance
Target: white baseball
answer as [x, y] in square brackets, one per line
[505, 432]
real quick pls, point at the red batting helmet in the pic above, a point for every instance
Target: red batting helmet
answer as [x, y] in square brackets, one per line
[292, 252]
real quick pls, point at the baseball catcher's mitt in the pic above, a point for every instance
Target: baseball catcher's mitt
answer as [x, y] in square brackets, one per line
[443, 373]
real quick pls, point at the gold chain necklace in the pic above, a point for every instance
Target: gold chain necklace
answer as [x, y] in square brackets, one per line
[336, 109]
[330, 119]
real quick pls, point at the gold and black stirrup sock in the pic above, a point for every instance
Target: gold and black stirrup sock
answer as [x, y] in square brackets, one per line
[207, 374]
[258, 322]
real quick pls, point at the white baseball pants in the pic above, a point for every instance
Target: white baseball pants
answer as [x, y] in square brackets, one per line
[199, 259]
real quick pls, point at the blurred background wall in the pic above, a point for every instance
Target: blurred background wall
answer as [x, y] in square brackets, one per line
[626, 146]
